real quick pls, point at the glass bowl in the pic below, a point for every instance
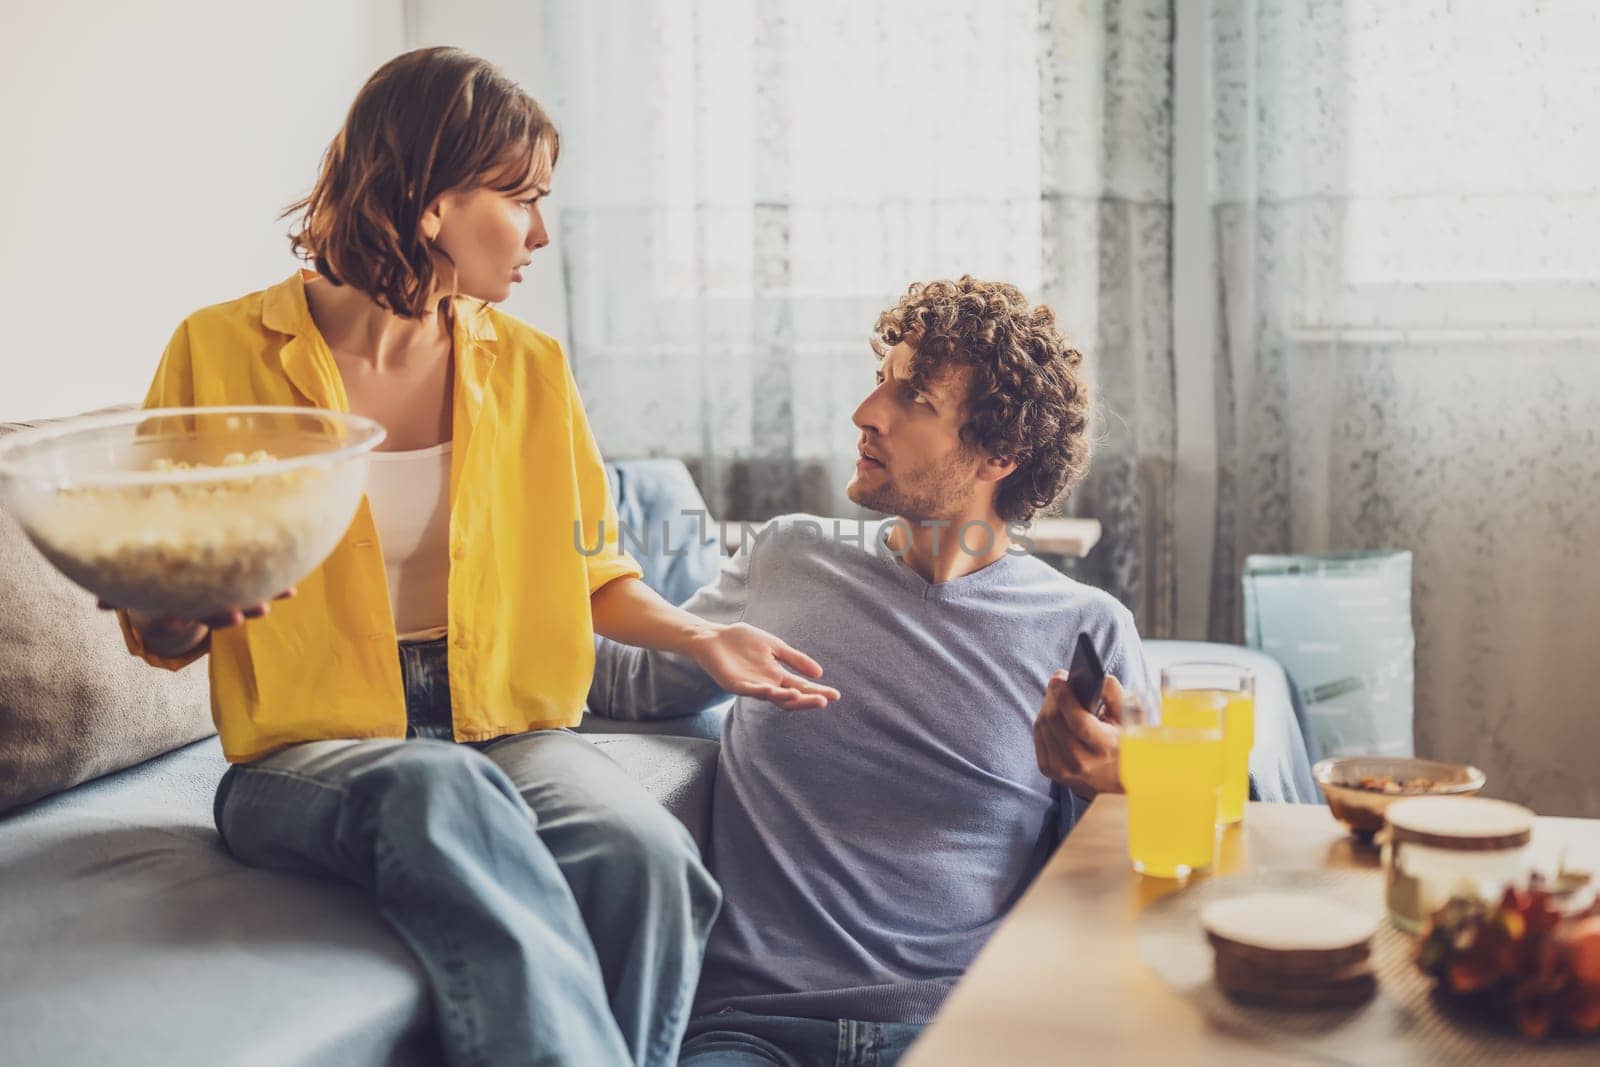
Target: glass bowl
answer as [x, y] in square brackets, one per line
[189, 512]
[1361, 807]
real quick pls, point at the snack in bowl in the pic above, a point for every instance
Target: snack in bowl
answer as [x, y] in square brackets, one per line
[1385, 783]
[1360, 788]
[186, 512]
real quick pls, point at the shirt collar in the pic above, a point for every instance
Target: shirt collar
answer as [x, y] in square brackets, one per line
[284, 310]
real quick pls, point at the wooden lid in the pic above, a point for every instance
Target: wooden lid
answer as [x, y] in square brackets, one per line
[1303, 924]
[1461, 824]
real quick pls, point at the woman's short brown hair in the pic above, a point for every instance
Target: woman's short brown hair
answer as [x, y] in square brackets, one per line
[428, 122]
[1026, 396]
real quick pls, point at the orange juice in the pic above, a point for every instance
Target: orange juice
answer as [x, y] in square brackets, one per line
[1172, 775]
[1190, 707]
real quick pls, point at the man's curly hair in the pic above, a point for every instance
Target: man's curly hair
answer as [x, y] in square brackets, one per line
[1026, 398]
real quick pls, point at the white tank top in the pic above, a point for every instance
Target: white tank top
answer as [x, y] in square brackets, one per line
[409, 493]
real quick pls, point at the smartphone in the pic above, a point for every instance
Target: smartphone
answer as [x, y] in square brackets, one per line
[1087, 676]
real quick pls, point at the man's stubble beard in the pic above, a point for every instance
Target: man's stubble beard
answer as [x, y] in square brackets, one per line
[943, 492]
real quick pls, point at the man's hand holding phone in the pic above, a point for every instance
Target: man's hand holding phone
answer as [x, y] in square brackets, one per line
[1076, 747]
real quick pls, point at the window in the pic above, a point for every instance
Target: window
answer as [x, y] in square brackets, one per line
[1469, 138]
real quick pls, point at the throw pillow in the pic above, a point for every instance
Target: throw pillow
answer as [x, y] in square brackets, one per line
[74, 705]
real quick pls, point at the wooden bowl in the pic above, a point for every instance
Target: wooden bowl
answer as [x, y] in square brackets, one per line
[1361, 808]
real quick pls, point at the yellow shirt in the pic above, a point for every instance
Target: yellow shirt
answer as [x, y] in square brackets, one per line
[525, 468]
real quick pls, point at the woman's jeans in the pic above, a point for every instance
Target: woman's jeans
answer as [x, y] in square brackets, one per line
[558, 911]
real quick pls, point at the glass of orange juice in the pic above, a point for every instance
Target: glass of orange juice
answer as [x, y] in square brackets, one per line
[1191, 690]
[1172, 773]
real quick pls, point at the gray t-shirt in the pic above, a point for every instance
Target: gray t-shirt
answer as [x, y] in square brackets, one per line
[867, 850]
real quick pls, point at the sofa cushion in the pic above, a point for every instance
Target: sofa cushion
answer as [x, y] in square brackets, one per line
[73, 704]
[677, 771]
[664, 525]
[705, 724]
[130, 936]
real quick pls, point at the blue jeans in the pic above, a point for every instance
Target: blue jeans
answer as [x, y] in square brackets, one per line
[558, 911]
[737, 1039]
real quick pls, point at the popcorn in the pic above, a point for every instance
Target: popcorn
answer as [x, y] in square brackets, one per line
[191, 549]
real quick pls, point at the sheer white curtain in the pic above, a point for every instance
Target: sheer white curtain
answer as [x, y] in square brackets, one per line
[745, 186]
[1405, 206]
[1407, 213]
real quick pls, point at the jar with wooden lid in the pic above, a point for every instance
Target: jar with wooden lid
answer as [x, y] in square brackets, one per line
[1438, 847]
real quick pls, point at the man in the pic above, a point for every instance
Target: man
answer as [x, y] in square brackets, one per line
[867, 850]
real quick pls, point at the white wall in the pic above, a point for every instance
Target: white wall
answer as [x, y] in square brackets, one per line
[148, 150]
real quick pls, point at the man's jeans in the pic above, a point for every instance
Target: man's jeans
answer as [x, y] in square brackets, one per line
[558, 911]
[738, 1039]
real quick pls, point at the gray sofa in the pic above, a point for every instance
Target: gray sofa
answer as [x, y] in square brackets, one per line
[128, 935]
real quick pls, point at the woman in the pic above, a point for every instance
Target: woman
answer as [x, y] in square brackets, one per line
[558, 911]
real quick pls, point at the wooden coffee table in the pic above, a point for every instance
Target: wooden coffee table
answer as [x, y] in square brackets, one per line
[1061, 981]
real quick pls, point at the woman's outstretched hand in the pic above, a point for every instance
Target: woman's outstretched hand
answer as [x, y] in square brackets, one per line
[747, 661]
